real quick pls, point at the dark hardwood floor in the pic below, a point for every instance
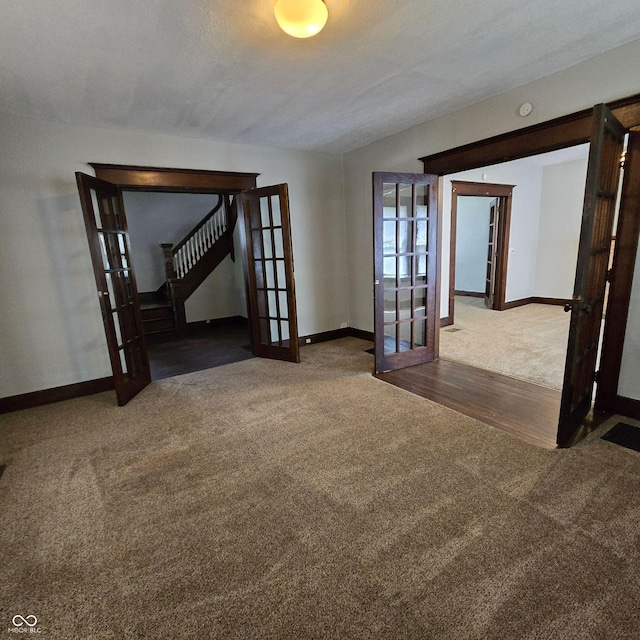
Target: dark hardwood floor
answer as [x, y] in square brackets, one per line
[523, 409]
[207, 346]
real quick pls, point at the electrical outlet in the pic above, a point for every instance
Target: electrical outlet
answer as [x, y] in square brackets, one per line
[343, 325]
[307, 340]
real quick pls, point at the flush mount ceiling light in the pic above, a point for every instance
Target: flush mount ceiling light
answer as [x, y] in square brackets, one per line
[301, 18]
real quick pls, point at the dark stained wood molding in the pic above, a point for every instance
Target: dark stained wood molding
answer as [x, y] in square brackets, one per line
[469, 294]
[57, 394]
[561, 302]
[628, 407]
[624, 260]
[324, 336]
[336, 334]
[361, 333]
[535, 300]
[559, 133]
[141, 178]
[482, 189]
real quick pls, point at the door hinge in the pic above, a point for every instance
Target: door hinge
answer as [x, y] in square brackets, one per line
[596, 376]
[608, 278]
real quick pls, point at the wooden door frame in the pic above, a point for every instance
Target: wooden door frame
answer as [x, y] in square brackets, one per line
[481, 189]
[172, 180]
[620, 285]
[560, 133]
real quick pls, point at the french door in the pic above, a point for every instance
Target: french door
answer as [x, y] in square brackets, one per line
[405, 216]
[106, 227]
[603, 174]
[269, 272]
[492, 253]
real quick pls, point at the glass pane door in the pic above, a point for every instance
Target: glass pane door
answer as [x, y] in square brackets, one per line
[405, 238]
[269, 264]
[106, 228]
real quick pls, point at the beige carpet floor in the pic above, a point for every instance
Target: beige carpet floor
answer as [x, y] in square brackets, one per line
[272, 500]
[529, 342]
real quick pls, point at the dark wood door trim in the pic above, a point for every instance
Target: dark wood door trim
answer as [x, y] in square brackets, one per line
[555, 134]
[624, 260]
[141, 178]
[552, 135]
[503, 192]
[587, 309]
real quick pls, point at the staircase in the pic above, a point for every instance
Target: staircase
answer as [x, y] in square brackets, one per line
[186, 266]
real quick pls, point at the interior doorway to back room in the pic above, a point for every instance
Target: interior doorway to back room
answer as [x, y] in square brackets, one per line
[512, 238]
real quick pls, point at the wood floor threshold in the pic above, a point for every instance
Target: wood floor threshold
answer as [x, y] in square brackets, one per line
[523, 409]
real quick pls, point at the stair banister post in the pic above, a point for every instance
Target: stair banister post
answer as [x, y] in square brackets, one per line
[168, 261]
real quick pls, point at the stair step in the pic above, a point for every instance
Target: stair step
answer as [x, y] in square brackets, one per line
[158, 324]
[156, 313]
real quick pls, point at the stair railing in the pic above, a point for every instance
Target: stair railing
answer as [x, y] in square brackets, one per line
[179, 260]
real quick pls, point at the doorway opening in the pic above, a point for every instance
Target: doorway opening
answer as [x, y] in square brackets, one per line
[479, 243]
[216, 329]
[265, 232]
[605, 133]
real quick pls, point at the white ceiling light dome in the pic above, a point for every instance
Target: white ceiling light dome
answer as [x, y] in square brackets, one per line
[301, 18]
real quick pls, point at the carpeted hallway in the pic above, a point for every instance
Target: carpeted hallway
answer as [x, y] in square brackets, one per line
[528, 342]
[265, 499]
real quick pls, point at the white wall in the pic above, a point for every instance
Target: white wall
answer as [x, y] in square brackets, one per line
[50, 327]
[559, 231]
[472, 239]
[604, 78]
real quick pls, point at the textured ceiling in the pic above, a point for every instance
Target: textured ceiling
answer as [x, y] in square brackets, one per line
[222, 69]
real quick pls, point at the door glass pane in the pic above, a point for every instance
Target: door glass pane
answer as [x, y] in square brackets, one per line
[123, 361]
[404, 298]
[265, 221]
[266, 239]
[390, 306]
[284, 328]
[123, 251]
[420, 333]
[405, 336]
[284, 308]
[406, 199]
[273, 325]
[96, 209]
[421, 236]
[390, 338]
[271, 297]
[281, 273]
[275, 211]
[269, 272]
[389, 237]
[103, 251]
[278, 245]
[389, 267]
[422, 200]
[111, 291]
[116, 326]
[420, 302]
[389, 200]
